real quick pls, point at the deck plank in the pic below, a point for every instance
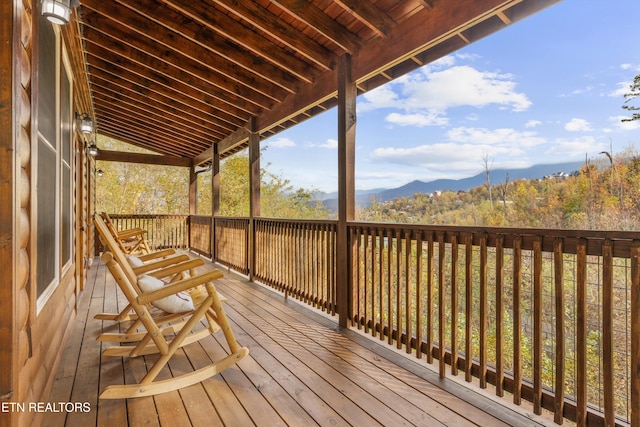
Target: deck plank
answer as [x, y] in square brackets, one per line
[302, 370]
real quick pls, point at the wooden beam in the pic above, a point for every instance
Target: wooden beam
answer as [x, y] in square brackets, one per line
[346, 185]
[369, 14]
[321, 22]
[193, 193]
[263, 50]
[254, 192]
[281, 31]
[8, 209]
[148, 159]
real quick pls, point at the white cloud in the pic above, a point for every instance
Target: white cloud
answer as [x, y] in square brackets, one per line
[417, 119]
[330, 144]
[575, 148]
[623, 87]
[617, 122]
[423, 97]
[577, 125]
[532, 123]
[282, 143]
[503, 136]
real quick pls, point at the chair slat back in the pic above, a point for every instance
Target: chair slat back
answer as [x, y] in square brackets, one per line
[114, 248]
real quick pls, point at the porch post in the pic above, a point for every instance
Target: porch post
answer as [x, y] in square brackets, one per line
[254, 188]
[193, 190]
[215, 197]
[13, 273]
[346, 185]
[193, 200]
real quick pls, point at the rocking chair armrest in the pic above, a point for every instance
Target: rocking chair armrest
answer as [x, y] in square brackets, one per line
[133, 232]
[155, 255]
[156, 265]
[177, 268]
[179, 286]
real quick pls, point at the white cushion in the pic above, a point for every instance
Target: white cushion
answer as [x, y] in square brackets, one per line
[177, 303]
[134, 261]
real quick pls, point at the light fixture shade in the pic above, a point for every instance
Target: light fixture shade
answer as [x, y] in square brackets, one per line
[86, 124]
[92, 150]
[57, 11]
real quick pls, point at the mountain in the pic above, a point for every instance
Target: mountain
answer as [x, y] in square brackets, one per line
[363, 198]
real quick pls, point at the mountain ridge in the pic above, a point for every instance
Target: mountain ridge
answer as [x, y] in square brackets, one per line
[363, 197]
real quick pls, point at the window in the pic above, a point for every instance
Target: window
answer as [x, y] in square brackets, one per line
[53, 197]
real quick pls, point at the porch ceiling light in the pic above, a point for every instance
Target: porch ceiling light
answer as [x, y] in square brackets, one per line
[85, 123]
[92, 149]
[57, 11]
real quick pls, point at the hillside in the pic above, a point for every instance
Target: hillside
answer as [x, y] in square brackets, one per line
[363, 198]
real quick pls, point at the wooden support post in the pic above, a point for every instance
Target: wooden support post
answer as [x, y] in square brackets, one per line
[215, 196]
[193, 191]
[9, 210]
[193, 199]
[346, 185]
[254, 195]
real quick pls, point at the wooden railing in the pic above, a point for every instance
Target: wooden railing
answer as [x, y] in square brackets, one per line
[232, 243]
[200, 234]
[298, 258]
[547, 316]
[163, 231]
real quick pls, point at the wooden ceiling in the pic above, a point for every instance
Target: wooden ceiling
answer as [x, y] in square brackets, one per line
[176, 76]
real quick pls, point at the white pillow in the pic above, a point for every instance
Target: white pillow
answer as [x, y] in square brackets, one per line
[177, 303]
[134, 261]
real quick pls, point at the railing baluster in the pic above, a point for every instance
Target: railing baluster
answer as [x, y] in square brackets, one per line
[537, 325]
[483, 310]
[558, 264]
[430, 256]
[607, 332]
[419, 295]
[468, 310]
[454, 304]
[581, 333]
[398, 283]
[635, 334]
[441, 304]
[407, 291]
[499, 315]
[517, 326]
[374, 251]
[389, 288]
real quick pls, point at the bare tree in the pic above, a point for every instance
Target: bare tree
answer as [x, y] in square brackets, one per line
[504, 187]
[487, 171]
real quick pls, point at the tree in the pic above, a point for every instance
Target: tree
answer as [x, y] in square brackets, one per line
[487, 171]
[633, 94]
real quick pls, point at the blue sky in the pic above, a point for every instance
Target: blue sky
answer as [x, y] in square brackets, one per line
[547, 89]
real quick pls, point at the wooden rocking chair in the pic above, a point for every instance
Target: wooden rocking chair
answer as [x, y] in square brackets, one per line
[155, 341]
[174, 268]
[131, 241]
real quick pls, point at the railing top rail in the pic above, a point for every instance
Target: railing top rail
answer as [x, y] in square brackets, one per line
[547, 232]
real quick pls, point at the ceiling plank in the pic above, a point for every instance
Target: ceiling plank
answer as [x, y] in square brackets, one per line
[318, 20]
[153, 101]
[245, 72]
[107, 70]
[369, 14]
[281, 31]
[113, 99]
[206, 17]
[180, 67]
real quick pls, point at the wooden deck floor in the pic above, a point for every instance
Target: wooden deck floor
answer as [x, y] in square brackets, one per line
[302, 370]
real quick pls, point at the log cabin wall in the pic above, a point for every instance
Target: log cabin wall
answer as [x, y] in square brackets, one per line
[31, 340]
